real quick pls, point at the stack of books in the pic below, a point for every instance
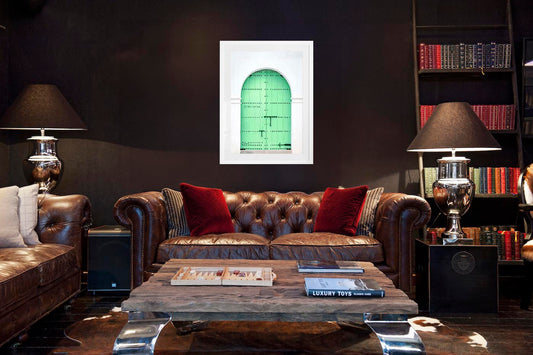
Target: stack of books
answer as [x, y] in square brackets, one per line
[342, 287]
[508, 240]
[330, 266]
[464, 55]
[494, 117]
[488, 180]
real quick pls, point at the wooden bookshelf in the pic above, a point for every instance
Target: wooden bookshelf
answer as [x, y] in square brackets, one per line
[456, 22]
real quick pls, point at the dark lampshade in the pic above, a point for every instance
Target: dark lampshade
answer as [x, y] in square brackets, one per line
[453, 126]
[41, 106]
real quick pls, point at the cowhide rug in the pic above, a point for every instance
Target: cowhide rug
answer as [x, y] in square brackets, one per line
[97, 335]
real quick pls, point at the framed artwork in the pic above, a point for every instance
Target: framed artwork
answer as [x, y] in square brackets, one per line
[266, 102]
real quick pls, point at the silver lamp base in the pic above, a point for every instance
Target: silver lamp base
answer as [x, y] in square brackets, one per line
[453, 193]
[43, 166]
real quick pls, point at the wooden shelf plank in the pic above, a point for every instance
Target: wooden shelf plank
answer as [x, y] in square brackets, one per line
[464, 71]
[462, 27]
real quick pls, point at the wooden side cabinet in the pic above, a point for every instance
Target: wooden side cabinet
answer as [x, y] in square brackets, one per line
[456, 278]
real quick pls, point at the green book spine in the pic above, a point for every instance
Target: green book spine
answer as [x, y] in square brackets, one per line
[428, 181]
[477, 180]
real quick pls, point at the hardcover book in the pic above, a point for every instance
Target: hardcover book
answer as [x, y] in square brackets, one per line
[330, 266]
[341, 287]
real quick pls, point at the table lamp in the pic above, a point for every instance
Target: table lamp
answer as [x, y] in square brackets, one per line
[453, 127]
[41, 107]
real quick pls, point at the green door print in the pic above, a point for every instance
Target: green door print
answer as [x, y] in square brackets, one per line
[265, 112]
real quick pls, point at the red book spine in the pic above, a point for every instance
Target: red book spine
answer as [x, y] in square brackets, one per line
[489, 180]
[492, 118]
[439, 56]
[516, 177]
[508, 246]
[497, 181]
[501, 118]
[485, 117]
[503, 182]
[517, 246]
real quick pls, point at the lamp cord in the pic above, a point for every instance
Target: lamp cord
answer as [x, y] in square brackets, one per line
[435, 220]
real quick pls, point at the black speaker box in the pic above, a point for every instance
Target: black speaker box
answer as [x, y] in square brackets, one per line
[109, 259]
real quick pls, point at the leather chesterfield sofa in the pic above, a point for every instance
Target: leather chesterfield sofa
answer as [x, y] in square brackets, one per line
[272, 225]
[36, 279]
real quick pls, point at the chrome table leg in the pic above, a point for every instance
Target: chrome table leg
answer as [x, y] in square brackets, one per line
[395, 334]
[140, 333]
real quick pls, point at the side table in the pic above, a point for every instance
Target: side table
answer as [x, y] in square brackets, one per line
[456, 278]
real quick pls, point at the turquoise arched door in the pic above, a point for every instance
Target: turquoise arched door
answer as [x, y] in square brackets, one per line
[265, 112]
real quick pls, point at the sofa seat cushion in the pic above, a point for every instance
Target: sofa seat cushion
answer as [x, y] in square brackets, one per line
[214, 246]
[326, 246]
[17, 280]
[52, 261]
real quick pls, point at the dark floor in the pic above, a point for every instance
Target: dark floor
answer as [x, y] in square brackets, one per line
[48, 334]
[510, 331]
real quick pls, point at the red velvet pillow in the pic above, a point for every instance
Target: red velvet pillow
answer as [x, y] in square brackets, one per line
[340, 210]
[206, 210]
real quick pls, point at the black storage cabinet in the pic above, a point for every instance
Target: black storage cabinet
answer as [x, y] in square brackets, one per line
[456, 278]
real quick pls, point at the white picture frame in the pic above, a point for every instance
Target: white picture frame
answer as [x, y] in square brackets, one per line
[294, 61]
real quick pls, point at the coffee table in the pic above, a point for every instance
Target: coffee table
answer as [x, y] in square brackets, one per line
[153, 304]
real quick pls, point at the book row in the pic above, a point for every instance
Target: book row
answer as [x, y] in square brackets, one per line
[494, 117]
[464, 55]
[488, 180]
[508, 240]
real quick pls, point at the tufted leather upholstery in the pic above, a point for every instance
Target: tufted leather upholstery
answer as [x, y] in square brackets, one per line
[36, 279]
[273, 225]
[272, 214]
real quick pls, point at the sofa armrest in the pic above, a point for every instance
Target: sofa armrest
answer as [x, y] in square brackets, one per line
[397, 216]
[145, 215]
[64, 220]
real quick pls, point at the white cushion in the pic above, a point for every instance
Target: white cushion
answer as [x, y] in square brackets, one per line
[10, 236]
[28, 214]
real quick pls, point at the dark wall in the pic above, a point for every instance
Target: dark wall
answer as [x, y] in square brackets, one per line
[144, 76]
[4, 151]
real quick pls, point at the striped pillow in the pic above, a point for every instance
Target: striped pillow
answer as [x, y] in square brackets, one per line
[366, 223]
[177, 222]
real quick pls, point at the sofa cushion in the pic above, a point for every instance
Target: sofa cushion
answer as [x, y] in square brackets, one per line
[17, 280]
[28, 213]
[340, 210]
[368, 215]
[206, 210]
[52, 261]
[10, 236]
[214, 246]
[176, 219]
[326, 246]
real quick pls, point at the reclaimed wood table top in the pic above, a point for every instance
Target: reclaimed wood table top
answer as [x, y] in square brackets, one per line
[286, 300]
